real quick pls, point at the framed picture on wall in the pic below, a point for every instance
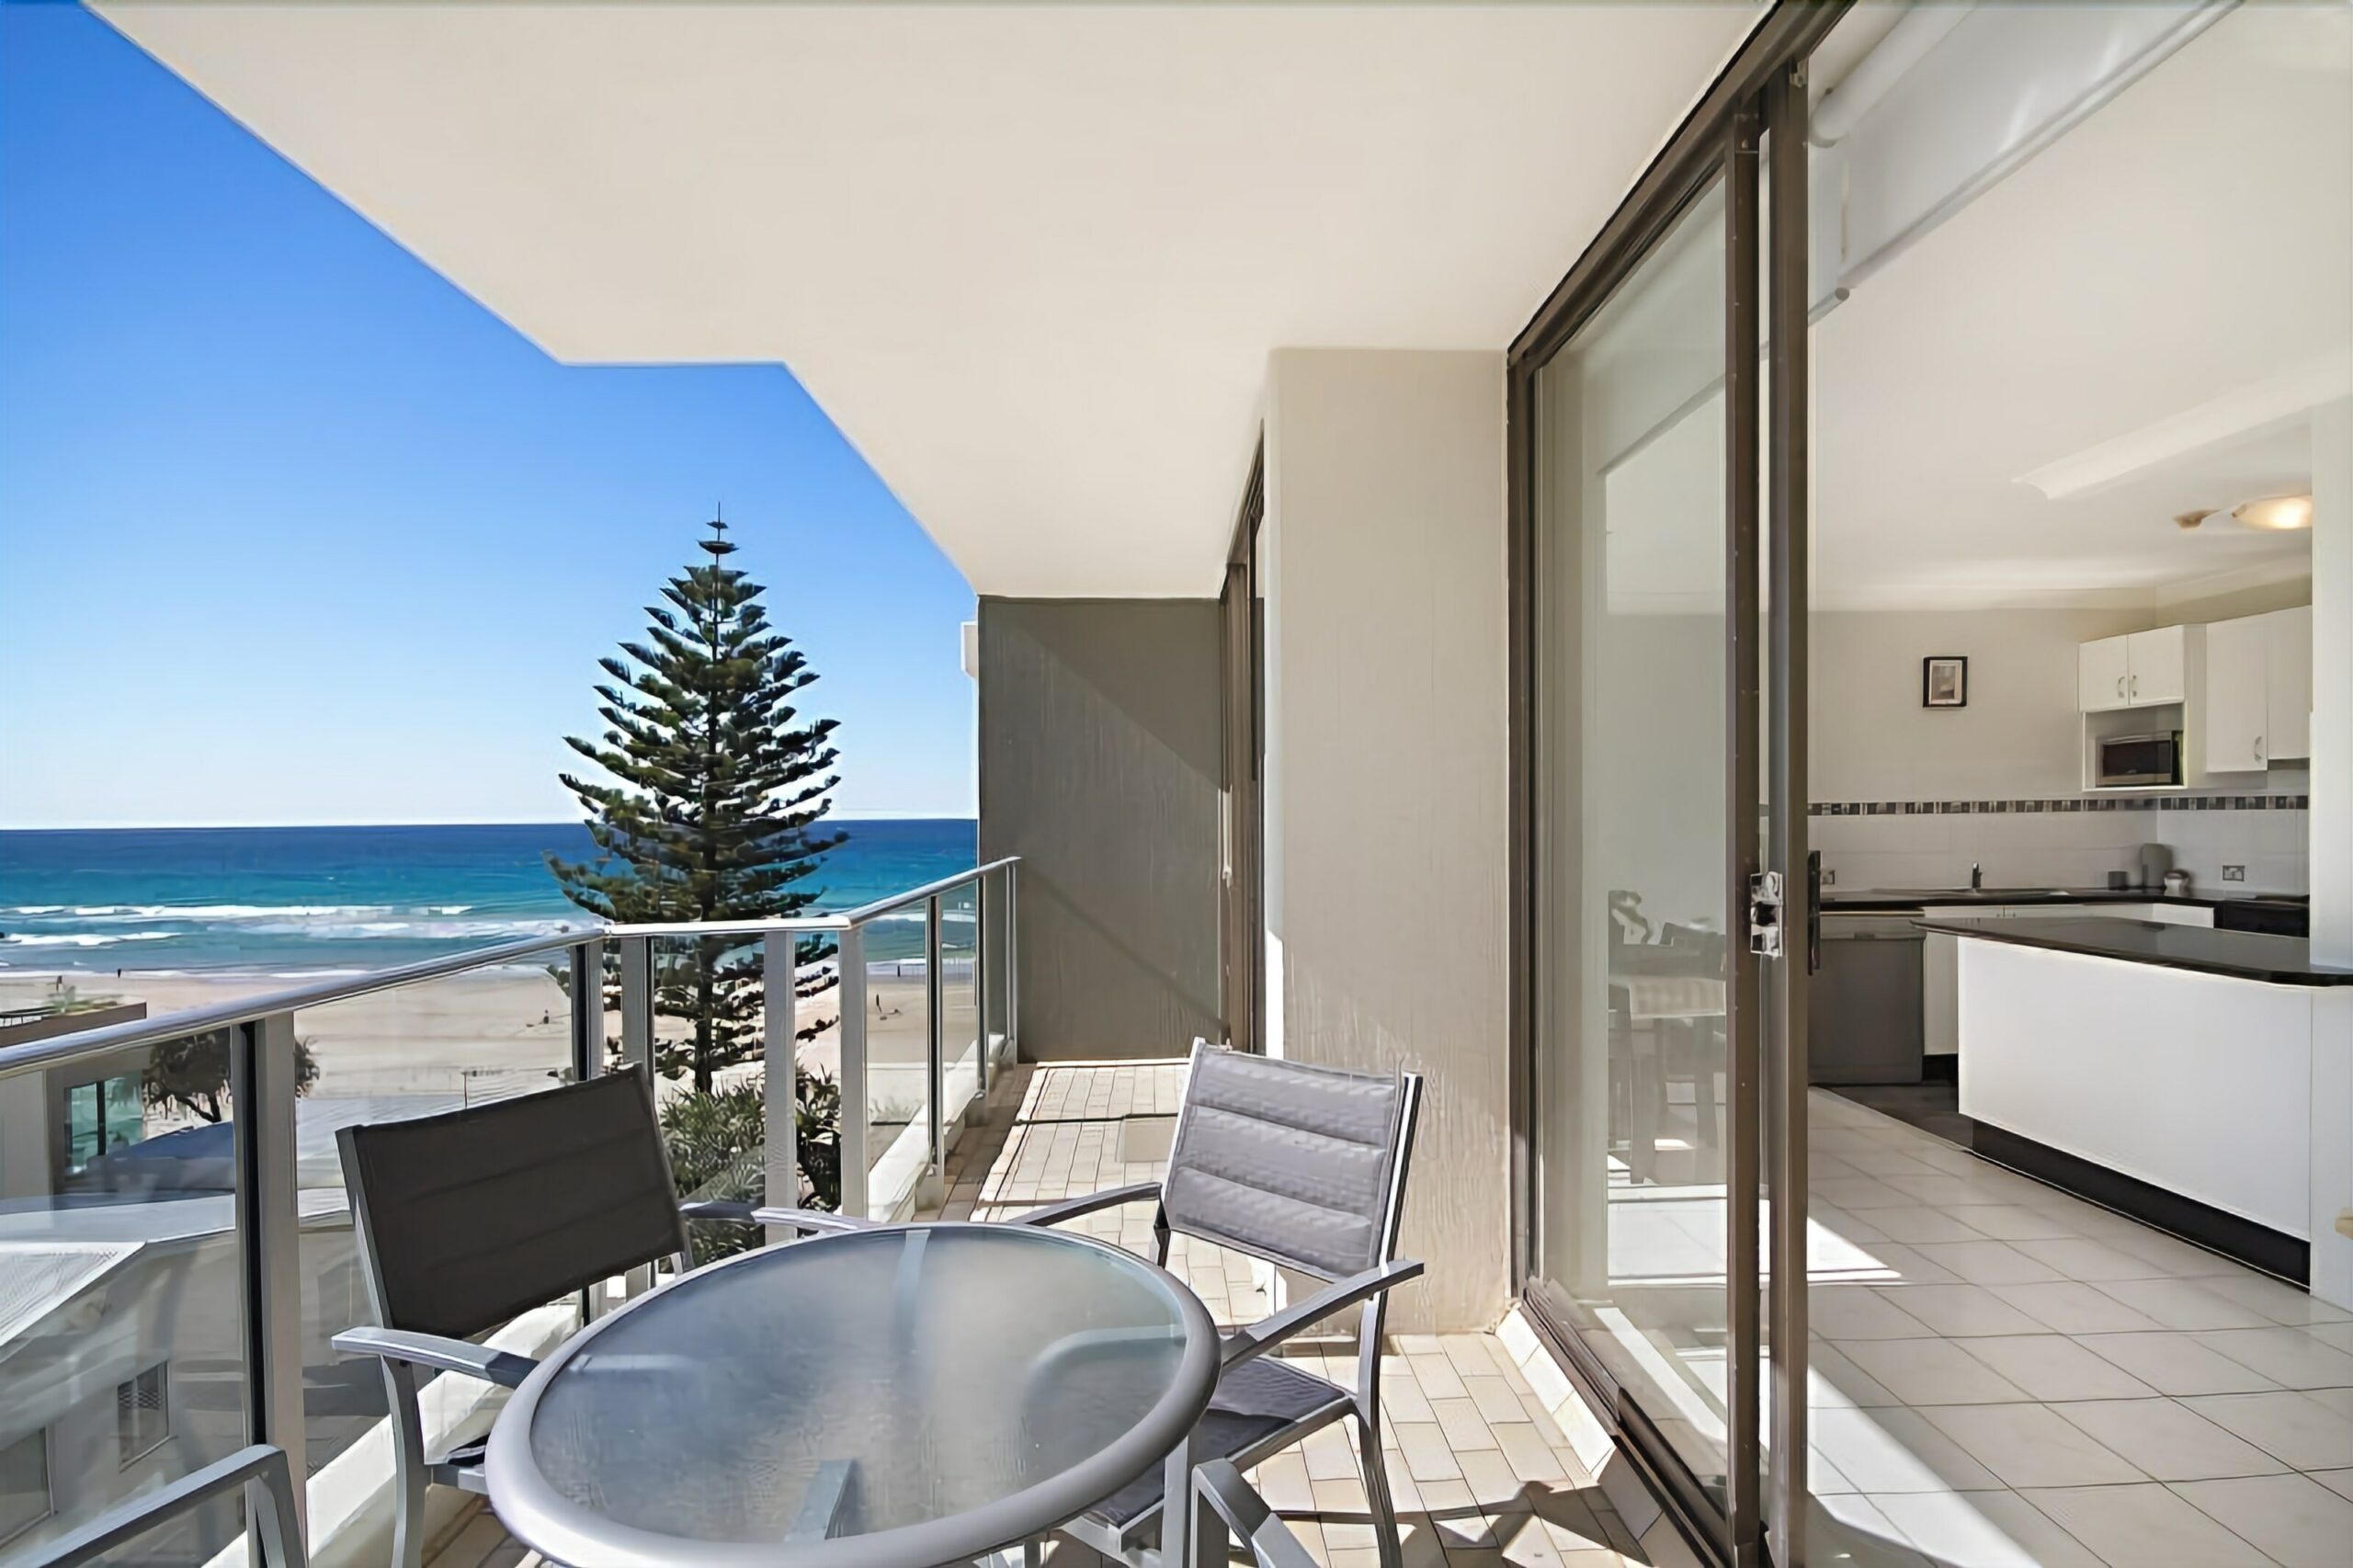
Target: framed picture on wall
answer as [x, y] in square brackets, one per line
[1944, 681]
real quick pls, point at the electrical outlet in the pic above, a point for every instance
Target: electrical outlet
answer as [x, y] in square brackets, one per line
[1829, 877]
[2235, 873]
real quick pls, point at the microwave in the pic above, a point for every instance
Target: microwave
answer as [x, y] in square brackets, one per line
[2138, 761]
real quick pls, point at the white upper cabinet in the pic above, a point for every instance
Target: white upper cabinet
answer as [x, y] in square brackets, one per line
[2258, 690]
[2103, 674]
[2238, 659]
[2133, 671]
[2289, 700]
[2159, 671]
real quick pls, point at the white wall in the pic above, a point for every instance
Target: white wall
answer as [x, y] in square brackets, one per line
[2020, 735]
[1387, 770]
[2019, 738]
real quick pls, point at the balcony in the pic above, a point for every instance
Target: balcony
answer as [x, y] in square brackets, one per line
[139, 1247]
[1484, 1466]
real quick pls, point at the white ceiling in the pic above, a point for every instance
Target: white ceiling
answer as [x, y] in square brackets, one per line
[1030, 260]
[2140, 302]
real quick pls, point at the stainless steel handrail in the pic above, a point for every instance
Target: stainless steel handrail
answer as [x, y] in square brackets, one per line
[61, 1050]
[67, 1048]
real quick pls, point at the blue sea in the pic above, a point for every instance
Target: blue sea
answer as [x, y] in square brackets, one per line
[294, 901]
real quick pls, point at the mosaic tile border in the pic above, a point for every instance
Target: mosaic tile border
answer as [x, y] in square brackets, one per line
[2069, 803]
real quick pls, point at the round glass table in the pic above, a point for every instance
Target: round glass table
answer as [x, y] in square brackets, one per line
[893, 1398]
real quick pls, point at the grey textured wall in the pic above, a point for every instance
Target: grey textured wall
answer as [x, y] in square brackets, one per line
[1100, 766]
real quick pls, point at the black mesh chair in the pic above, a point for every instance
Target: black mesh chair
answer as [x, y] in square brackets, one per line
[1303, 1167]
[260, 1471]
[467, 1219]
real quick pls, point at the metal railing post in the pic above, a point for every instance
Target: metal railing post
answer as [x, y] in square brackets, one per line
[850, 964]
[779, 993]
[984, 993]
[934, 1047]
[262, 1080]
[637, 1002]
[587, 988]
[1012, 962]
[637, 1052]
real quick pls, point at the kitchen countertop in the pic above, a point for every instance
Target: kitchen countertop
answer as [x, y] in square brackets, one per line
[1872, 900]
[2238, 955]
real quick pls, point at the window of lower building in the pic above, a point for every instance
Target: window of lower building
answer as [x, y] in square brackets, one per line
[100, 1118]
[24, 1483]
[143, 1415]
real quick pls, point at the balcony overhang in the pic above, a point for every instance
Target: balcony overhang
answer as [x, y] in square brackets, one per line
[1032, 260]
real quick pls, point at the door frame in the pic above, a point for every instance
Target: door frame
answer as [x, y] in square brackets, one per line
[1242, 937]
[1761, 88]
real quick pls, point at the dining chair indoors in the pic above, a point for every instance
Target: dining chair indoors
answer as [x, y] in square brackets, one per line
[1303, 1167]
[467, 1219]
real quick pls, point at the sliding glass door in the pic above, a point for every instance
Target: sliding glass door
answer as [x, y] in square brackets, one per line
[1634, 1030]
[1663, 947]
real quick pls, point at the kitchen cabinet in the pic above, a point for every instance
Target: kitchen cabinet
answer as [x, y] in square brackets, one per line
[2103, 673]
[2289, 694]
[2140, 669]
[2238, 718]
[2159, 662]
[2258, 688]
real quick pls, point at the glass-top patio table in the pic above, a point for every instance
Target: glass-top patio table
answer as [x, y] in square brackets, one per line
[891, 1398]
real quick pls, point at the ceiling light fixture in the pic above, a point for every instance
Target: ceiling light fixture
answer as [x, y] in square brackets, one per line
[2277, 513]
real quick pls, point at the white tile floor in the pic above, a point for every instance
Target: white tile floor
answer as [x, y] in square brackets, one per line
[2006, 1375]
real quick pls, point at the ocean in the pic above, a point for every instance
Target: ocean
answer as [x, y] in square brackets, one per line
[298, 902]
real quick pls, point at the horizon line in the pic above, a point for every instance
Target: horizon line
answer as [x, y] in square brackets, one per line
[502, 822]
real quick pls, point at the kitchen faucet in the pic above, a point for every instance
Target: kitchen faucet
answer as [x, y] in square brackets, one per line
[1976, 876]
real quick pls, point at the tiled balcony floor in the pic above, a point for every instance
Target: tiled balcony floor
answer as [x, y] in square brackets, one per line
[1487, 1449]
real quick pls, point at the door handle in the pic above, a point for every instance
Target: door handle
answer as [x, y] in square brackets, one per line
[1813, 911]
[2136, 686]
[2258, 748]
[2120, 685]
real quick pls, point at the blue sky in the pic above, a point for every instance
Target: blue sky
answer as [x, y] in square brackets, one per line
[293, 531]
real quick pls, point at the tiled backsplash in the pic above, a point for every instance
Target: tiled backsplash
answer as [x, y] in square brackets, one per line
[2067, 842]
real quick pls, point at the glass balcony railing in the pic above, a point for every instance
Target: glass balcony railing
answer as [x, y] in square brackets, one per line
[166, 1182]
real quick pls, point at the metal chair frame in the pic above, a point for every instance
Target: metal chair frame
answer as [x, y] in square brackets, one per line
[1368, 1290]
[262, 1473]
[408, 1357]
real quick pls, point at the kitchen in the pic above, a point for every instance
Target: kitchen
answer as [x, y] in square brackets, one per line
[2072, 440]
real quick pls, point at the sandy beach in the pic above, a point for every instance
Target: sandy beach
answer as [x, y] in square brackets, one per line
[483, 1035]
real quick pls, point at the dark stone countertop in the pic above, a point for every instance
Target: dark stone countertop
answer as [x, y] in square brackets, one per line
[1872, 900]
[2237, 955]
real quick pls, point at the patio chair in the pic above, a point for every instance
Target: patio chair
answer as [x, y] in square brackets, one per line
[260, 1472]
[1248, 1518]
[1303, 1167]
[467, 1219]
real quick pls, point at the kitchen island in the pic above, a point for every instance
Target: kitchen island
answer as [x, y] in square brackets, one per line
[2170, 1071]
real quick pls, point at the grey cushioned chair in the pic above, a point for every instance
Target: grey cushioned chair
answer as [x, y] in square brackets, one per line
[1304, 1168]
[467, 1219]
[260, 1471]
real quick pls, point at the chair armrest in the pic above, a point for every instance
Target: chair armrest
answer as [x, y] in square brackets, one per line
[1243, 1344]
[716, 1209]
[281, 1539]
[1072, 1208]
[1246, 1514]
[501, 1367]
[815, 1221]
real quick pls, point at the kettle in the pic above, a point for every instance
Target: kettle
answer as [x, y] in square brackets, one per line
[2177, 884]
